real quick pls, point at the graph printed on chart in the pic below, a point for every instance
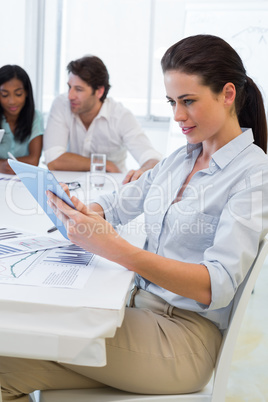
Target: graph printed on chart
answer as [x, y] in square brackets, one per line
[14, 241]
[10, 233]
[67, 266]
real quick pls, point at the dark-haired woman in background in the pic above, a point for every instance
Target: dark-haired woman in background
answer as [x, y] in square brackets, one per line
[206, 212]
[23, 124]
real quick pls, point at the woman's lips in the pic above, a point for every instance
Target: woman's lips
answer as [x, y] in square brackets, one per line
[187, 130]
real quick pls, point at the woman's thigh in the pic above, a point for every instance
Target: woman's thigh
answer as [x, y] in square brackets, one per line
[159, 354]
[150, 353]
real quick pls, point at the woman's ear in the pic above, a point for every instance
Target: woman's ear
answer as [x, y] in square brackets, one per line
[229, 93]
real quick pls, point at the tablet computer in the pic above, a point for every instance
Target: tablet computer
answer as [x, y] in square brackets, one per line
[38, 181]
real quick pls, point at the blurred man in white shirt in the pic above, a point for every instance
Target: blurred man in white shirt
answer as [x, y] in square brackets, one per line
[85, 121]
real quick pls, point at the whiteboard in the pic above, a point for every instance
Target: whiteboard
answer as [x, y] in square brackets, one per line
[244, 26]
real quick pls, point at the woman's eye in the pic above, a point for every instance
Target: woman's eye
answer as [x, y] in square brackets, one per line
[188, 101]
[171, 102]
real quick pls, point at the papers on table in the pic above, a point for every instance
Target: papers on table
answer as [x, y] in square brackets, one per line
[14, 241]
[27, 259]
[7, 177]
[66, 267]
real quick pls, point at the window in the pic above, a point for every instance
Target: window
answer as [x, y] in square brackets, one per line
[22, 31]
[130, 36]
[13, 44]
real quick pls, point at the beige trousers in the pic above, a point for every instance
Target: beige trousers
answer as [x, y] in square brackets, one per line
[158, 350]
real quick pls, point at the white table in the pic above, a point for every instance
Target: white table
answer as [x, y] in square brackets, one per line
[61, 324]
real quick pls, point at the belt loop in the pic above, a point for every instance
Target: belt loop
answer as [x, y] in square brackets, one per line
[168, 309]
[132, 296]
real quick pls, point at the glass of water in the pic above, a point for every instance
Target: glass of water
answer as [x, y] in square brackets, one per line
[97, 170]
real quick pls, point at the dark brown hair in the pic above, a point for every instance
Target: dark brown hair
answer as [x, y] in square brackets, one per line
[25, 118]
[217, 63]
[93, 71]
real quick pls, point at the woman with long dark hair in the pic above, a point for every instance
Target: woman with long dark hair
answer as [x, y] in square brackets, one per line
[206, 212]
[22, 124]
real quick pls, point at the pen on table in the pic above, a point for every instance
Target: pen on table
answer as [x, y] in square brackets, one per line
[12, 156]
[53, 229]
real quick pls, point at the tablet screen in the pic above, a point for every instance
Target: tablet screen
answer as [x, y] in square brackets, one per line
[38, 181]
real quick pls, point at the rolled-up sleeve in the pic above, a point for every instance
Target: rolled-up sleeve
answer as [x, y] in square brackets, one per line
[243, 223]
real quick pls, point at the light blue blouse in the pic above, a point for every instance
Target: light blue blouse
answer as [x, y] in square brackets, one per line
[219, 222]
[8, 143]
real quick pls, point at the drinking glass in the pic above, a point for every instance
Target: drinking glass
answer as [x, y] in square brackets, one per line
[97, 170]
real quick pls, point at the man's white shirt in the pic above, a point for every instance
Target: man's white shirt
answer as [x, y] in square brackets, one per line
[114, 131]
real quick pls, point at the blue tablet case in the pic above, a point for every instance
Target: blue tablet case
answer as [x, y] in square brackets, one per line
[38, 181]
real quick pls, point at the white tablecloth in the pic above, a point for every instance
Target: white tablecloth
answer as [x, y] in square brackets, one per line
[61, 324]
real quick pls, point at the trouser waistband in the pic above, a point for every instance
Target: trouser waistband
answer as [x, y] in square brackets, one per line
[140, 298]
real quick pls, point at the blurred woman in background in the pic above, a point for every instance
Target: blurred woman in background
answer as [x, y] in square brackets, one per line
[22, 124]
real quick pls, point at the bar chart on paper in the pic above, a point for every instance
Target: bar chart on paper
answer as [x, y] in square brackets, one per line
[6, 234]
[67, 266]
[70, 255]
[14, 241]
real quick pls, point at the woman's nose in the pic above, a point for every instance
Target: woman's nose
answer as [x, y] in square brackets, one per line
[11, 100]
[179, 113]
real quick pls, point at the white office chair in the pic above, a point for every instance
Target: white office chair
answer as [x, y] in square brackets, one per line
[216, 389]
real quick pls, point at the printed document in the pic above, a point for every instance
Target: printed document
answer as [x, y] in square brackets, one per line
[68, 266]
[14, 241]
